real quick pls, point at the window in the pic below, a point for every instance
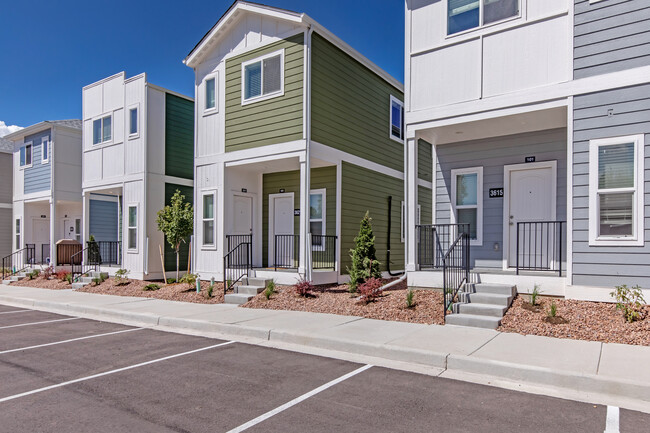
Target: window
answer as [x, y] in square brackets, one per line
[467, 201]
[263, 78]
[317, 217]
[77, 229]
[209, 219]
[102, 130]
[17, 234]
[45, 150]
[616, 191]
[133, 121]
[468, 14]
[26, 155]
[132, 228]
[396, 119]
[210, 94]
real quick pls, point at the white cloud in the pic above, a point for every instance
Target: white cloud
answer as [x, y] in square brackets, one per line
[8, 129]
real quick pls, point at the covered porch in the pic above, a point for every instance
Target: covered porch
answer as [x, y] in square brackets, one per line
[103, 237]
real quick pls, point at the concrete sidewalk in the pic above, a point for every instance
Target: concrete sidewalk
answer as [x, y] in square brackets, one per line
[604, 373]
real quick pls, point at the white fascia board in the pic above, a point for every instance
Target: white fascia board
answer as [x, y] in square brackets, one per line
[104, 80]
[171, 92]
[281, 150]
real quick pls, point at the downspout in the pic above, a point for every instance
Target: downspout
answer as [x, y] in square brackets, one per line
[307, 242]
[144, 211]
[390, 211]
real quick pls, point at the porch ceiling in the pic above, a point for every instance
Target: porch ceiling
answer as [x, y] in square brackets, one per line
[267, 166]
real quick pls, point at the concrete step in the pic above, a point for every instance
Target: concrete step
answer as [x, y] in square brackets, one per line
[17, 278]
[486, 298]
[6, 282]
[473, 320]
[260, 282]
[249, 290]
[481, 309]
[78, 285]
[86, 280]
[499, 289]
[237, 298]
[95, 274]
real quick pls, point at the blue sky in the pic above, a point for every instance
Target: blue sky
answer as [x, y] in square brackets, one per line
[51, 49]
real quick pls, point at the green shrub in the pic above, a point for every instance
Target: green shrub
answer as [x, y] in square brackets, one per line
[171, 280]
[97, 281]
[269, 290]
[151, 287]
[630, 301]
[34, 274]
[552, 312]
[410, 298]
[122, 277]
[189, 279]
[364, 256]
[209, 290]
[534, 295]
[68, 277]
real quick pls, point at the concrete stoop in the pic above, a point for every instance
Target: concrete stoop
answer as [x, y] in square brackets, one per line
[247, 290]
[482, 305]
[84, 281]
[19, 276]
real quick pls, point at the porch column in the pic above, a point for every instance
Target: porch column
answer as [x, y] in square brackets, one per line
[411, 200]
[53, 232]
[304, 265]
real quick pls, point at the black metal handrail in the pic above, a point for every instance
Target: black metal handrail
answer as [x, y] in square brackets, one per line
[18, 260]
[84, 261]
[237, 264]
[107, 252]
[286, 251]
[323, 251]
[233, 241]
[539, 246]
[45, 253]
[455, 270]
[434, 241]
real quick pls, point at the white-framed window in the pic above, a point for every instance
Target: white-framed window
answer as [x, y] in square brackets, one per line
[396, 119]
[467, 201]
[77, 229]
[263, 77]
[26, 153]
[134, 121]
[616, 208]
[17, 233]
[418, 220]
[132, 227]
[45, 150]
[209, 219]
[211, 94]
[317, 214]
[463, 15]
[102, 129]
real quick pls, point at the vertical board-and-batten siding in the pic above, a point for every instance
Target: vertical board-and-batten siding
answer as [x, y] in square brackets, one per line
[611, 36]
[170, 253]
[272, 121]
[38, 176]
[492, 154]
[179, 137]
[366, 190]
[321, 178]
[601, 265]
[351, 106]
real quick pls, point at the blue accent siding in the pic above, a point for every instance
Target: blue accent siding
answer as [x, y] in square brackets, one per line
[103, 220]
[38, 176]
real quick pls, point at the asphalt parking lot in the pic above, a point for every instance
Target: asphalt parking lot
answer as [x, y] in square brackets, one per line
[68, 374]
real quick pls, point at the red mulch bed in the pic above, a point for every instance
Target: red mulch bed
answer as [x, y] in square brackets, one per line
[593, 321]
[171, 292]
[333, 299]
[42, 283]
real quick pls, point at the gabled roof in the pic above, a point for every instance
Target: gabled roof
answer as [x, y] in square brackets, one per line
[75, 124]
[233, 13]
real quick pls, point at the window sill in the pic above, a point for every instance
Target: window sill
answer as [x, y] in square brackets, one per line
[399, 140]
[134, 136]
[210, 112]
[261, 98]
[616, 242]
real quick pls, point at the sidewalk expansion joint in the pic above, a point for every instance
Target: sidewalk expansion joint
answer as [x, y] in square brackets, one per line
[600, 356]
[483, 345]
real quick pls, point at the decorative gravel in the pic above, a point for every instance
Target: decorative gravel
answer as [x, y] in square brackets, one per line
[171, 292]
[593, 321]
[391, 305]
[42, 283]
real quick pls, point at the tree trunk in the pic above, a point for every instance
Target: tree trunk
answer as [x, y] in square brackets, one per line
[177, 260]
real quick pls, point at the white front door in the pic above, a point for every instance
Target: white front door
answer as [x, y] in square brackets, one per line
[531, 197]
[281, 223]
[68, 229]
[242, 215]
[40, 237]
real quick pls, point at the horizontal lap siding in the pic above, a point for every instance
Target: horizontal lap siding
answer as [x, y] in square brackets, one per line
[351, 106]
[104, 220]
[170, 254]
[276, 120]
[611, 36]
[601, 265]
[38, 176]
[366, 190]
[179, 137]
[425, 160]
[493, 154]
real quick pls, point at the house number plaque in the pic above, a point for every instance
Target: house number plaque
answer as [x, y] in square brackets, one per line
[496, 193]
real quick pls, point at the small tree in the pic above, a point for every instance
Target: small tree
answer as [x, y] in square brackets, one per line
[364, 257]
[176, 221]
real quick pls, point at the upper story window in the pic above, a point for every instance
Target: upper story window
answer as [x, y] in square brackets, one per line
[469, 14]
[396, 119]
[211, 94]
[616, 191]
[45, 150]
[102, 130]
[133, 121]
[263, 78]
[26, 155]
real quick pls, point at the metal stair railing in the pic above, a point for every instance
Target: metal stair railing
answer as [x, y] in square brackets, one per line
[18, 260]
[237, 264]
[455, 270]
[84, 261]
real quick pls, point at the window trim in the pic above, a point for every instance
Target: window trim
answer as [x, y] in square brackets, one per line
[45, 155]
[638, 238]
[136, 134]
[390, 125]
[23, 148]
[18, 233]
[129, 227]
[481, 25]
[262, 97]
[323, 220]
[479, 201]
[214, 76]
[101, 128]
[215, 236]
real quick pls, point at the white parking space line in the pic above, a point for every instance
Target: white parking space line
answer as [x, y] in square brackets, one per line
[297, 400]
[69, 341]
[39, 323]
[612, 423]
[15, 311]
[106, 373]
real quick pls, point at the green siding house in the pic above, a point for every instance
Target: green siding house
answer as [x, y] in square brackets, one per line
[297, 137]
